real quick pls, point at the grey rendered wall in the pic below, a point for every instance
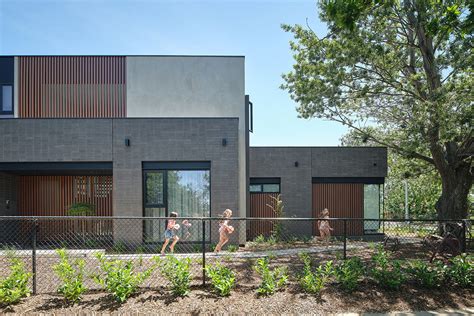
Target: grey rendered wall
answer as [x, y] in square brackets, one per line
[191, 86]
[174, 140]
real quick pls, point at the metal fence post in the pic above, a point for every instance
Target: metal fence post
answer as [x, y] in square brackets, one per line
[463, 236]
[345, 239]
[33, 252]
[203, 245]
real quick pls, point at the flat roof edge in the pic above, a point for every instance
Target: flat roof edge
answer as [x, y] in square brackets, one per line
[122, 55]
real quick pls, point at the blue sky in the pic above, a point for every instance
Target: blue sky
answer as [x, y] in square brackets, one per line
[249, 28]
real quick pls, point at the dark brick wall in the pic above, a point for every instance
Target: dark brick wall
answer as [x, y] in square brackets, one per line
[153, 139]
[8, 185]
[296, 182]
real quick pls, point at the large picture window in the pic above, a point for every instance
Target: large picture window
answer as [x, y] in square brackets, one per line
[186, 192]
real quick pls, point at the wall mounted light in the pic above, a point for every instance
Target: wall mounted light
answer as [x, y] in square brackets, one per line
[375, 164]
[127, 142]
[7, 204]
[224, 142]
[297, 164]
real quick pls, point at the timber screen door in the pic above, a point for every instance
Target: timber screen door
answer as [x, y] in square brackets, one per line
[183, 188]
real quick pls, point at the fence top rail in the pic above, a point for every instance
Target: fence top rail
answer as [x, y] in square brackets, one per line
[220, 218]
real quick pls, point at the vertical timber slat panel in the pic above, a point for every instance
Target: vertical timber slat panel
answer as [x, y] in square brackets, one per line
[71, 87]
[259, 208]
[53, 195]
[343, 200]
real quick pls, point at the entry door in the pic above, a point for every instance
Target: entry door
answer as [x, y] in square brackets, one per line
[343, 200]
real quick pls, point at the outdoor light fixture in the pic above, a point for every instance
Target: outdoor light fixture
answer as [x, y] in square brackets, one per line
[297, 164]
[224, 142]
[375, 164]
[127, 142]
[7, 204]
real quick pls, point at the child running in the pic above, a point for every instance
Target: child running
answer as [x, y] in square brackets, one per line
[324, 227]
[224, 230]
[170, 233]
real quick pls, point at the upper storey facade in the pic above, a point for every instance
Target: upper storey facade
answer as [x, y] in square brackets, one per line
[122, 86]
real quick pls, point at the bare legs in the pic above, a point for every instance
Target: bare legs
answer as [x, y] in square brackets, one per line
[223, 239]
[167, 240]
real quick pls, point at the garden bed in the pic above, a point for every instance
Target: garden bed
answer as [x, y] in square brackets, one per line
[369, 298]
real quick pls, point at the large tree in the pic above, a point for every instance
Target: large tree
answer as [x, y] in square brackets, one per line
[401, 68]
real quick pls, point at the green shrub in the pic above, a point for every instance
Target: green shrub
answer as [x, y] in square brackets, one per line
[272, 279]
[15, 286]
[313, 282]
[222, 279]
[260, 239]
[119, 277]
[349, 272]
[177, 272]
[427, 275]
[461, 270]
[232, 248]
[71, 276]
[81, 209]
[386, 272]
[119, 247]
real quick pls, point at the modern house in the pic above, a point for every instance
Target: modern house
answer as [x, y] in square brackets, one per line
[147, 135]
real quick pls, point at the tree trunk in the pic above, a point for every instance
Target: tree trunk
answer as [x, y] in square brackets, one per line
[456, 184]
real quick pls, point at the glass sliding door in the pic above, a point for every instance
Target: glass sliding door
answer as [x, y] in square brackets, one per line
[371, 207]
[186, 192]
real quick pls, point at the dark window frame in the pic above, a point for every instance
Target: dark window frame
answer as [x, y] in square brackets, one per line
[262, 182]
[2, 112]
[173, 166]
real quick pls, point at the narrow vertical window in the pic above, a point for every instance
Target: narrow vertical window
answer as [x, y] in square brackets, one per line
[6, 107]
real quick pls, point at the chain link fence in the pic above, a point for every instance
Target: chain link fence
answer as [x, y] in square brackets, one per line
[35, 240]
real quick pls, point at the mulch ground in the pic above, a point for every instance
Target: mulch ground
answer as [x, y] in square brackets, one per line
[156, 299]
[243, 300]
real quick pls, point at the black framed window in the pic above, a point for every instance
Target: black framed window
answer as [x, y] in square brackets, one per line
[184, 188]
[6, 99]
[264, 185]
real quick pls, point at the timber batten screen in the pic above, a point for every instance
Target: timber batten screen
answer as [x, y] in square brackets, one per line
[343, 200]
[71, 87]
[54, 195]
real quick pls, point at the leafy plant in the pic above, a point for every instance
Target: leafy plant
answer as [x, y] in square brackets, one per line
[349, 272]
[461, 270]
[119, 247]
[81, 209]
[313, 282]
[119, 277]
[260, 239]
[272, 279]
[428, 276]
[222, 278]
[386, 272]
[177, 272]
[232, 248]
[71, 276]
[15, 286]
[278, 209]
